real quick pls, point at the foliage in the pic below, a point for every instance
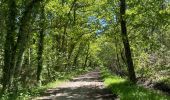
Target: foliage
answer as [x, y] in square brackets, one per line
[29, 93]
[44, 40]
[129, 91]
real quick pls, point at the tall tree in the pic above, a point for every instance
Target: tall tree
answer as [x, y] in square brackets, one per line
[14, 49]
[126, 44]
[40, 45]
[9, 44]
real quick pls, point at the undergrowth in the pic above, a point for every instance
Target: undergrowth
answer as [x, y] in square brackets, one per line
[27, 94]
[128, 91]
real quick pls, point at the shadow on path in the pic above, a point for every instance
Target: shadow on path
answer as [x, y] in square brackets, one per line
[83, 87]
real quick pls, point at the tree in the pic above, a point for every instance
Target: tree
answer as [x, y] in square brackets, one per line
[9, 45]
[14, 49]
[126, 44]
[41, 44]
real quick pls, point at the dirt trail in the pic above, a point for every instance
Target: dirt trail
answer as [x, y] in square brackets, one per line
[83, 87]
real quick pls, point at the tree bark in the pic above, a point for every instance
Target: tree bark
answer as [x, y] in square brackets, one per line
[23, 33]
[126, 44]
[21, 44]
[87, 56]
[14, 50]
[9, 45]
[40, 47]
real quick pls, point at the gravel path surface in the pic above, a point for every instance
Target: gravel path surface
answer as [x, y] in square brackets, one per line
[83, 87]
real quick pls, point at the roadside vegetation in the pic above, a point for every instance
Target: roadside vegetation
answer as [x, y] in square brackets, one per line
[43, 41]
[126, 90]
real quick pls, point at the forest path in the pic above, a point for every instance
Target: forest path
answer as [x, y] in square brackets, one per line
[84, 87]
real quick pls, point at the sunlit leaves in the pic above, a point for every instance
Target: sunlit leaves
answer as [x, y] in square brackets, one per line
[56, 8]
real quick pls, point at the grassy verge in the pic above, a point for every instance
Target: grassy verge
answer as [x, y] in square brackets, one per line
[127, 91]
[27, 94]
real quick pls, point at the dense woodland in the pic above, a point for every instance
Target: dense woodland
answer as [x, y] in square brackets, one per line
[45, 40]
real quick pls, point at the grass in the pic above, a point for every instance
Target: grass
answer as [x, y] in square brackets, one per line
[37, 91]
[128, 91]
[27, 94]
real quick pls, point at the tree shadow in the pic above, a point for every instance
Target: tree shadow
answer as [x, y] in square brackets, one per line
[79, 93]
[83, 87]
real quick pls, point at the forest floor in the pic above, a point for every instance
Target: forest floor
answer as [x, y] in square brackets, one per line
[84, 87]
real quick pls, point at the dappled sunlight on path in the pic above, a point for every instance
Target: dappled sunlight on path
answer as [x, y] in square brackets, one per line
[83, 87]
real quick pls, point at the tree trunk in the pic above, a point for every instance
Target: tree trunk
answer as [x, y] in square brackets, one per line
[75, 62]
[87, 56]
[64, 36]
[22, 41]
[40, 47]
[9, 45]
[126, 44]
